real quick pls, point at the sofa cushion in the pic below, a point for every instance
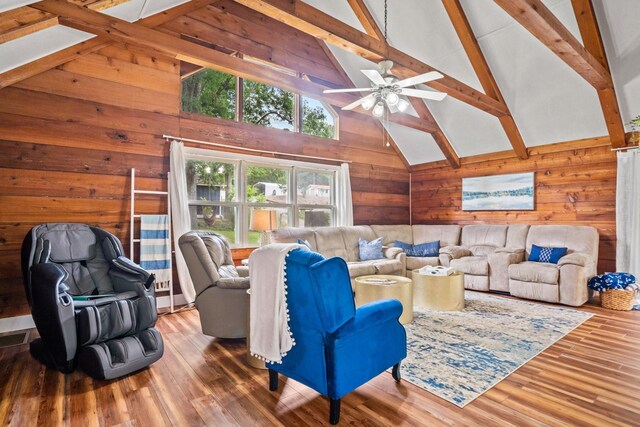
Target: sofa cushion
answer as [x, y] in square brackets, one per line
[413, 263]
[517, 236]
[351, 236]
[482, 250]
[389, 233]
[575, 238]
[387, 266]
[448, 235]
[477, 265]
[537, 272]
[292, 235]
[364, 268]
[369, 250]
[329, 243]
[543, 254]
[488, 235]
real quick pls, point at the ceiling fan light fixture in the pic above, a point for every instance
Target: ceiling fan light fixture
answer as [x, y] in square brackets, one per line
[392, 98]
[378, 110]
[402, 105]
[368, 103]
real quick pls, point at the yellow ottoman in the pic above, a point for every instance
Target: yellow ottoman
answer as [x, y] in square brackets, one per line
[444, 293]
[369, 289]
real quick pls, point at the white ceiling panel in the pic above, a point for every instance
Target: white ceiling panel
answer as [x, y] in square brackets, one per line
[129, 11]
[37, 45]
[6, 5]
[416, 146]
[157, 6]
[621, 34]
[338, 9]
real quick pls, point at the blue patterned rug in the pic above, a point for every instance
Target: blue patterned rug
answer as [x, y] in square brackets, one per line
[460, 355]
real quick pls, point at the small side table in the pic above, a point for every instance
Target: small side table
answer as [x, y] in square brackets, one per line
[402, 289]
[444, 293]
[252, 361]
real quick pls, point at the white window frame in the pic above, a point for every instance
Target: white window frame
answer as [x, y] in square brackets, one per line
[241, 162]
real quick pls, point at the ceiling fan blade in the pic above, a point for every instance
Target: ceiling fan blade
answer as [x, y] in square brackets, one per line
[374, 76]
[358, 102]
[425, 94]
[422, 78]
[357, 89]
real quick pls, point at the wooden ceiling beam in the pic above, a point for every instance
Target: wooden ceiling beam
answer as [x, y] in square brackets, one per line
[372, 28]
[48, 62]
[590, 32]
[22, 21]
[534, 16]
[124, 32]
[310, 20]
[483, 71]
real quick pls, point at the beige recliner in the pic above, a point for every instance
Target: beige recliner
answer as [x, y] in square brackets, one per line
[221, 287]
[566, 281]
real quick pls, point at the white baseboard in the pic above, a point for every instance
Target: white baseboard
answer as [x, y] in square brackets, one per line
[19, 323]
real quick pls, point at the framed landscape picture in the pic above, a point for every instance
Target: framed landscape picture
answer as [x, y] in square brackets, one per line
[513, 191]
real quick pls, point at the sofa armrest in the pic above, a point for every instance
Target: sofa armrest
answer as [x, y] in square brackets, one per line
[370, 315]
[575, 258]
[391, 252]
[455, 252]
[517, 251]
[243, 271]
[233, 283]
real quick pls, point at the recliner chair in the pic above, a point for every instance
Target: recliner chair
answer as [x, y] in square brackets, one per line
[92, 306]
[221, 287]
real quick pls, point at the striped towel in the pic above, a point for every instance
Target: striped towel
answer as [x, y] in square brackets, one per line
[155, 247]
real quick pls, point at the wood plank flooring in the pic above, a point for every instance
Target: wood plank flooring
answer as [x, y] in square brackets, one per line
[589, 378]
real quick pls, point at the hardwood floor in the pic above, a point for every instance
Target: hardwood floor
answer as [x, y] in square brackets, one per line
[591, 377]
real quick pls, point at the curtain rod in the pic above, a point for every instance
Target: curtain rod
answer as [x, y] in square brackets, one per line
[635, 147]
[253, 150]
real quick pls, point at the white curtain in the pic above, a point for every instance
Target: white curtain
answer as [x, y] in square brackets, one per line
[345, 204]
[628, 213]
[180, 215]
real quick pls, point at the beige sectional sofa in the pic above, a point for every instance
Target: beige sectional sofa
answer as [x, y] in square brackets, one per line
[493, 257]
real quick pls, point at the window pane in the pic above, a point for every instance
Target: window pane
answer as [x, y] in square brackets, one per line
[210, 93]
[221, 219]
[267, 106]
[314, 218]
[267, 185]
[211, 181]
[282, 220]
[314, 188]
[317, 120]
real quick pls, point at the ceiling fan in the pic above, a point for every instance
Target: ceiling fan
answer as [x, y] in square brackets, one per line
[386, 90]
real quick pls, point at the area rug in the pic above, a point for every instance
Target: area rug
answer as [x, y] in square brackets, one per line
[460, 355]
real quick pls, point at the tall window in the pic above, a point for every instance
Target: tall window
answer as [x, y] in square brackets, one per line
[215, 94]
[225, 189]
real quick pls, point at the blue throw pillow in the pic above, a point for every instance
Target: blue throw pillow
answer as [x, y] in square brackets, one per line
[305, 243]
[370, 250]
[430, 249]
[606, 281]
[542, 254]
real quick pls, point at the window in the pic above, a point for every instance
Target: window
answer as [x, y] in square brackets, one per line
[215, 94]
[317, 119]
[210, 93]
[225, 188]
[267, 106]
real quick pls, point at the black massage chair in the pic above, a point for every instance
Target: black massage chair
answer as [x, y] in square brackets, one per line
[93, 307]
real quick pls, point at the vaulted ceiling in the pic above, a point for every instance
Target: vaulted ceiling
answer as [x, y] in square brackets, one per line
[520, 73]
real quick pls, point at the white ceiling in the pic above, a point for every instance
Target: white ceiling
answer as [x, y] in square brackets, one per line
[549, 101]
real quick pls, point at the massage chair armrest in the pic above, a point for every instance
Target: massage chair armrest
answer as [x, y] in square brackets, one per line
[575, 258]
[447, 253]
[53, 313]
[243, 271]
[129, 276]
[369, 316]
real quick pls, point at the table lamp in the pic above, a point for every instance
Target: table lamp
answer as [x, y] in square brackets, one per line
[263, 220]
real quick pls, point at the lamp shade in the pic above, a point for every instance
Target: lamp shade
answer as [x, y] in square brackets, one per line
[263, 220]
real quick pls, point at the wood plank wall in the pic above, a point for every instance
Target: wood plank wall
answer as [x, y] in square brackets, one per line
[575, 183]
[70, 136]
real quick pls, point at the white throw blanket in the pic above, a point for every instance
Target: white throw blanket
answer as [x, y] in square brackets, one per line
[271, 337]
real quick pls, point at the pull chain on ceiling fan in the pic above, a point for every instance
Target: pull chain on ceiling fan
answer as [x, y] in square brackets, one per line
[387, 91]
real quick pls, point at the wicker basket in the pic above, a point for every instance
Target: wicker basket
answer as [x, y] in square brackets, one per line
[617, 299]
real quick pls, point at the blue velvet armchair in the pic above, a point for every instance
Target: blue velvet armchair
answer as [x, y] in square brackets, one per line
[338, 348]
